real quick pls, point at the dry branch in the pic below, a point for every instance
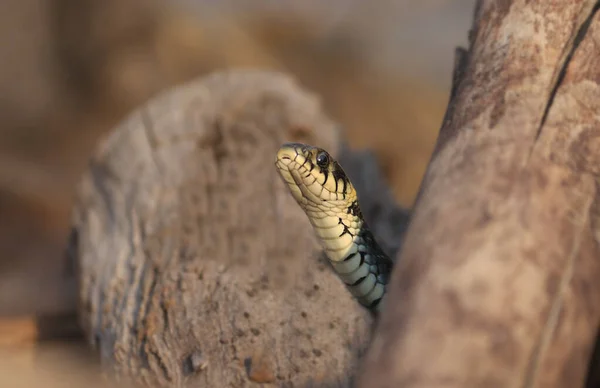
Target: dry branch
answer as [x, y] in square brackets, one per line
[497, 284]
[195, 264]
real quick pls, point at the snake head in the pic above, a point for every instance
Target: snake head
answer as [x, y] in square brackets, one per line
[314, 178]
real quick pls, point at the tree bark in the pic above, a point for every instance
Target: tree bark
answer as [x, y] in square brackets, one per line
[195, 265]
[497, 282]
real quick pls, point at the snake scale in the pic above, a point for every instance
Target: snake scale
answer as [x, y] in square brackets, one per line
[323, 190]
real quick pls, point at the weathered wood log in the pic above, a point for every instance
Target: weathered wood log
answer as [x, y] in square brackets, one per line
[498, 279]
[195, 264]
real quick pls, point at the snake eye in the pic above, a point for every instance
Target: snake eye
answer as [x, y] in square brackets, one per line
[322, 159]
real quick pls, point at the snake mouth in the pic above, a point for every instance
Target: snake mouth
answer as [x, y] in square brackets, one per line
[290, 160]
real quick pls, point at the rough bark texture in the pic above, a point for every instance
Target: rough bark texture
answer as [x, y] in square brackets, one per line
[497, 284]
[196, 267]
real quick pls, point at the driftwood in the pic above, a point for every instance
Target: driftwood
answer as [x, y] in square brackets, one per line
[498, 280]
[195, 265]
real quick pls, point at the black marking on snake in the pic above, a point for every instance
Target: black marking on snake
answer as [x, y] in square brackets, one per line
[375, 303]
[354, 209]
[338, 174]
[362, 258]
[346, 229]
[356, 283]
[310, 163]
[326, 173]
[350, 256]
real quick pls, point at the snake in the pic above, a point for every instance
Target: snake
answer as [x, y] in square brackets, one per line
[322, 189]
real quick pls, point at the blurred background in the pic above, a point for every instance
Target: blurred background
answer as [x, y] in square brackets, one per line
[71, 69]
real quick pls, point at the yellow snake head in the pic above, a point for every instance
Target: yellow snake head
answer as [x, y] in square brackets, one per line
[315, 179]
[324, 192]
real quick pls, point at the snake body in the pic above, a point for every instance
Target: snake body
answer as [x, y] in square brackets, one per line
[323, 190]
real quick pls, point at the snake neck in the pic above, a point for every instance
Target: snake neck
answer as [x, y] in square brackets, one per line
[355, 256]
[323, 190]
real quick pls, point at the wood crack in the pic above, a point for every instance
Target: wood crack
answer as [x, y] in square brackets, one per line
[561, 70]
